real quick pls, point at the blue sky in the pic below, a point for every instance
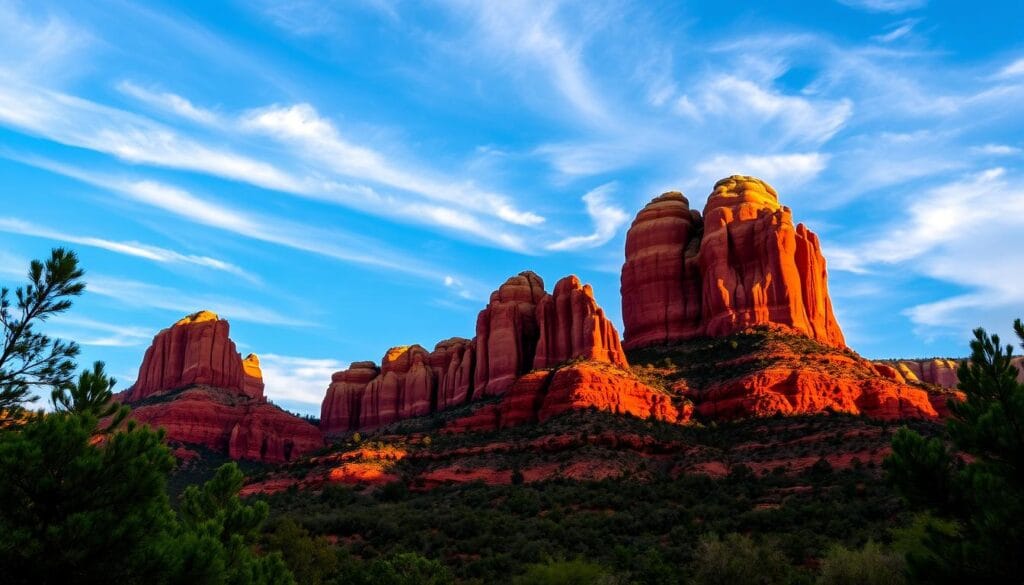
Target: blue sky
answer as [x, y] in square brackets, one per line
[339, 177]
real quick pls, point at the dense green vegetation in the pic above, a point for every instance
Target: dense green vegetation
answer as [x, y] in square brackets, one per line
[975, 533]
[649, 529]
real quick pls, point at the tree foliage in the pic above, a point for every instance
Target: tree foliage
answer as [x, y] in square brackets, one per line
[983, 493]
[739, 559]
[85, 502]
[29, 358]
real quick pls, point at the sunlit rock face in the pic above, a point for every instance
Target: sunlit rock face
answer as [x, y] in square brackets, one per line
[572, 326]
[196, 350]
[542, 394]
[521, 329]
[740, 264]
[195, 385]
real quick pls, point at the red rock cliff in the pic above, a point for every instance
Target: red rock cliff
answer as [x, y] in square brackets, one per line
[403, 389]
[661, 276]
[196, 350]
[507, 334]
[340, 408]
[744, 264]
[202, 392]
[522, 328]
[572, 326]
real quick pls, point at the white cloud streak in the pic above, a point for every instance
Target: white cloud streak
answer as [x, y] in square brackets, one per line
[784, 171]
[140, 294]
[333, 243]
[297, 379]
[130, 248]
[606, 217]
[170, 102]
[891, 6]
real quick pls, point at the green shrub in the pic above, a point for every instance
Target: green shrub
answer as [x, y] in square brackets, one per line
[871, 565]
[575, 572]
[736, 560]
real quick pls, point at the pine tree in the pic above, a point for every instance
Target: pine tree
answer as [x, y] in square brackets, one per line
[30, 359]
[985, 497]
[217, 533]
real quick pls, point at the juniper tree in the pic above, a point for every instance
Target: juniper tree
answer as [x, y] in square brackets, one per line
[984, 498]
[29, 358]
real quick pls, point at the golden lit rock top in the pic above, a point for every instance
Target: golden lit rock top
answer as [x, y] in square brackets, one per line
[251, 366]
[742, 190]
[198, 317]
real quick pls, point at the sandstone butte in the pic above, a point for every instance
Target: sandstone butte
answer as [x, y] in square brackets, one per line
[939, 371]
[521, 334]
[193, 383]
[743, 263]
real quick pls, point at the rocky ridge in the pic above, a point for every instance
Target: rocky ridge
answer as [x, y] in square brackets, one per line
[523, 330]
[193, 383]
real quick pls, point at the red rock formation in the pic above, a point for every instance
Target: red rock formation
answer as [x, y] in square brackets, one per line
[402, 390]
[758, 269]
[252, 377]
[452, 364]
[661, 277]
[573, 326]
[232, 424]
[744, 265]
[340, 409]
[788, 391]
[507, 334]
[222, 405]
[521, 328]
[542, 394]
[195, 350]
[939, 371]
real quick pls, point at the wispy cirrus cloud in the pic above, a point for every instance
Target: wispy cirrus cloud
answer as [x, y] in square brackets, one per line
[87, 331]
[784, 171]
[169, 102]
[793, 119]
[128, 248]
[892, 6]
[145, 295]
[606, 217]
[333, 243]
[301, 125]
[323, 163]
[955, 232]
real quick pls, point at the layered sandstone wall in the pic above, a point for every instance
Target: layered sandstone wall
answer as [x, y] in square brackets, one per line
[196, 350]
[742, 263]
[222, 405]
[521, 329]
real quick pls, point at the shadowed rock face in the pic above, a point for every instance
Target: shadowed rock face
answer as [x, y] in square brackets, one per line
[196, 350]
[743, 263]
[232, 424]
[506, 334]
[193, 383]
[522, 328]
